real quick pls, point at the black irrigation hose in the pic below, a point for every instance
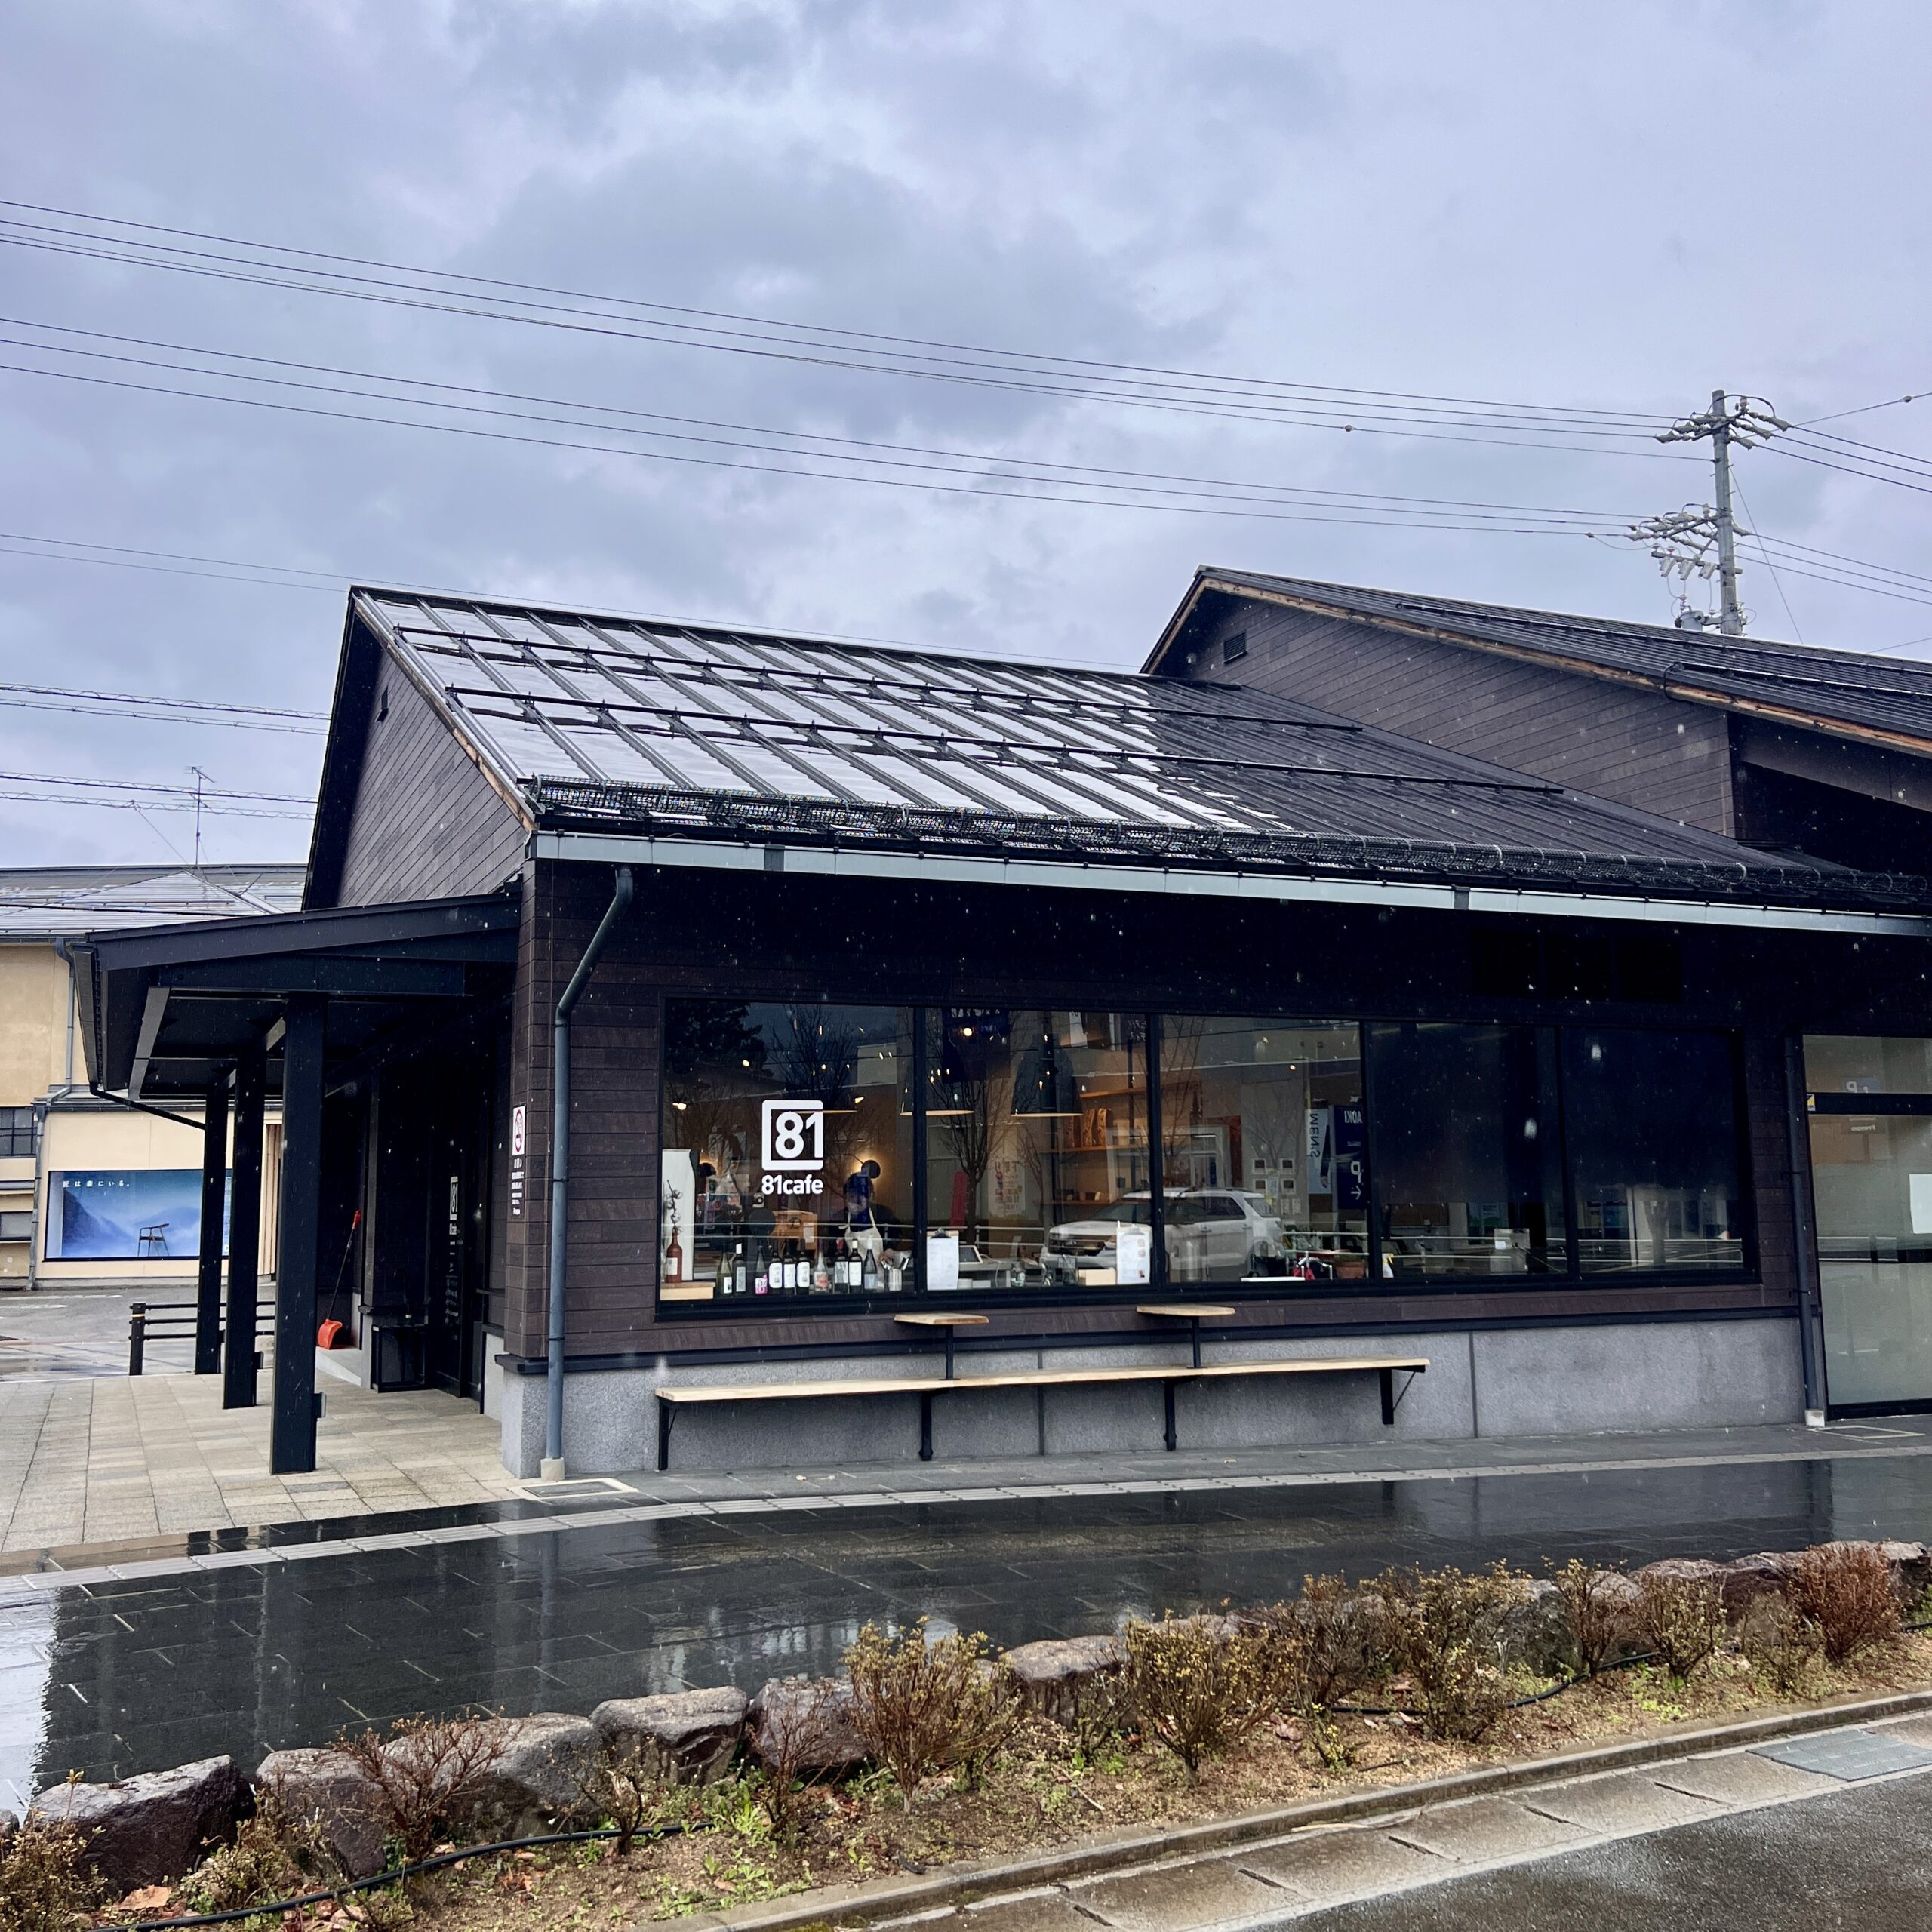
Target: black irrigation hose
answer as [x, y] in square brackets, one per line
[275, 1907]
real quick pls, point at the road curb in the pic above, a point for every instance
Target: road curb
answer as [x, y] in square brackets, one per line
[859, 1905]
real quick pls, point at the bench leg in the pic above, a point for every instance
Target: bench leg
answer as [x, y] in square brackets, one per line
[1195, 1325]
[665, 1411]
[926, 1425]
[1172, 1440]
[1388, 1378]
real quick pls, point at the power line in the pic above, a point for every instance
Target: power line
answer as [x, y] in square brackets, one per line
[146, 795]
[1544, 525]
[1089, 474]
[925, 346]
[1839, 415]
[161, 710]
[1371, 420]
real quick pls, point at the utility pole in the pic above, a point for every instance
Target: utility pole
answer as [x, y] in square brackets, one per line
[1746, 421]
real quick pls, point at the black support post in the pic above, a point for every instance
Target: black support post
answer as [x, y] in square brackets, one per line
[244, 1230]
[214, 1201]
[292, 1435]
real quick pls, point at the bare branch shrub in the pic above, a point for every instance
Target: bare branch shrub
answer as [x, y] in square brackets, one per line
[1682, 1619]
[1597, 1604]
[45, 1885]
[1349, 1639]
[273, 1856]
[622, 1788]
[1283, 1651]
[1445, 1626]
[1846, 1589]
[1780, 1640]
[424, 1774]
[924, 1705]
[1193, 1685]
[794, 1753]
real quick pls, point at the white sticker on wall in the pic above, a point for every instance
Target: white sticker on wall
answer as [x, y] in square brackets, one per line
[1921, 1204]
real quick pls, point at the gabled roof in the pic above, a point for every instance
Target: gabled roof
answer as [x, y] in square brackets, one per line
[1878, 699]
[697, 734]
[40, 902]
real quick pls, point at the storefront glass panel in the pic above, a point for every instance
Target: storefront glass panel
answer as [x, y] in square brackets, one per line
[1870, 1121]
[787, 1162]
[1262, 1151]
[1467, 1156]
[1651, 1121]
[1037, 1173]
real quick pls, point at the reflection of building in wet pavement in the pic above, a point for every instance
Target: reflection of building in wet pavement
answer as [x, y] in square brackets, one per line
[163, 1669]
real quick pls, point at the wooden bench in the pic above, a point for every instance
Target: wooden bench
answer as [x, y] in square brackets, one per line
[671, 1399]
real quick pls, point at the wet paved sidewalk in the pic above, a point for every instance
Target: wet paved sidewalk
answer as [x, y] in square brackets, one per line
[93, 1458]
[250, 1648]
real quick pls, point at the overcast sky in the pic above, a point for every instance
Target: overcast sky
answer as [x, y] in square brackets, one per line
[1595, 208]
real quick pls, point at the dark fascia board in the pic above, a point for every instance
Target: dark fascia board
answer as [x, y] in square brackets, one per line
[419, 924]
[352, 975]
[1207, 580]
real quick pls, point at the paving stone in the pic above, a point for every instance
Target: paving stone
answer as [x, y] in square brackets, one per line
[1327, 1868]
[1625, 1801]
[1486, 1829]
[1045, 1911]
[1741, 1778]
[1194, 1895]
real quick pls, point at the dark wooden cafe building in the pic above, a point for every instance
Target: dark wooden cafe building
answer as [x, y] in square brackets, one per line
[718, 1049]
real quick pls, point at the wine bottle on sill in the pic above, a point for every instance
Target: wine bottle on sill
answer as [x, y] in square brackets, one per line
[738, 1270]
[868, 1273]
[674, 1258]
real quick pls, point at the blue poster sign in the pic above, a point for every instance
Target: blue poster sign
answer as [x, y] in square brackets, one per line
[126, 1214]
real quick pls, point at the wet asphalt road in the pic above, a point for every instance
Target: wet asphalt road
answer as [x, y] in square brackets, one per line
[1858, 1861]
[140, 1674]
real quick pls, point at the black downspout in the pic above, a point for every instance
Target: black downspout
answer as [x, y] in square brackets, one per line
[552, 1469]
[1805, 1234]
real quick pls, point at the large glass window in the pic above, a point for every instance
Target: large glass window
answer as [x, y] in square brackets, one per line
[1036, 1150]
[1467, 1152]
[1261, 1150]
[787, 1161]
[1656, 1170]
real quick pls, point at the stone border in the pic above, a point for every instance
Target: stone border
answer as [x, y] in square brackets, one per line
[840, 1906]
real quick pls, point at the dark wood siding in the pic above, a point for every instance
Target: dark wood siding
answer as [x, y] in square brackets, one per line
[426, 823]
[761, 937]
[1636, 747]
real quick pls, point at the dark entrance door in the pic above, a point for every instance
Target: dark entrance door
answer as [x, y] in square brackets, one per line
[459, 1179]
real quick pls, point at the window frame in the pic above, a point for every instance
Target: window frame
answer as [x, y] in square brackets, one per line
[1574, 1278]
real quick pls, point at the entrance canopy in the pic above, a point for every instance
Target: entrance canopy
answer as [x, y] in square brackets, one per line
[166, 1011]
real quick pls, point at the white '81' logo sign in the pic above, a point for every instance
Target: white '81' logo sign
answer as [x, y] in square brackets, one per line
[793, 1135]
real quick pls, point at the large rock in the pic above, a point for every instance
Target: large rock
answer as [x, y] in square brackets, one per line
[1768, 1574]
[1053, 1675]
[1534, 1632]
[329, 1790]
[151, 1830]
[686, 1737]
[810, 1720]
[540, 1774]
[1684, 1570]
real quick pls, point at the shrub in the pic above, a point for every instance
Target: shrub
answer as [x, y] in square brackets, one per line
[1846, 1589]
[44, 1884]
[424, 1774]
[1597, 1604]
[624, 1790]
[1193, 1684]
[273, 1856]
[1445, 1625]
[1780, 1640]
[1681, 1618]
[795, 1753]
[1348, 1635]
[926, 1704]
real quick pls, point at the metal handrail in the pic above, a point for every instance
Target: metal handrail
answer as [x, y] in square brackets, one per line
[141, 1325]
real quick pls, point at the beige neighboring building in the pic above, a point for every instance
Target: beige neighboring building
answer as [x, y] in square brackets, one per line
[92, 1191]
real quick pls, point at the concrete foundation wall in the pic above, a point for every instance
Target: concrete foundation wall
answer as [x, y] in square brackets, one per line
[1582, 1380]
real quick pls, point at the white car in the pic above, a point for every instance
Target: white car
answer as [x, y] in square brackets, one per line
[1212, 1233]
